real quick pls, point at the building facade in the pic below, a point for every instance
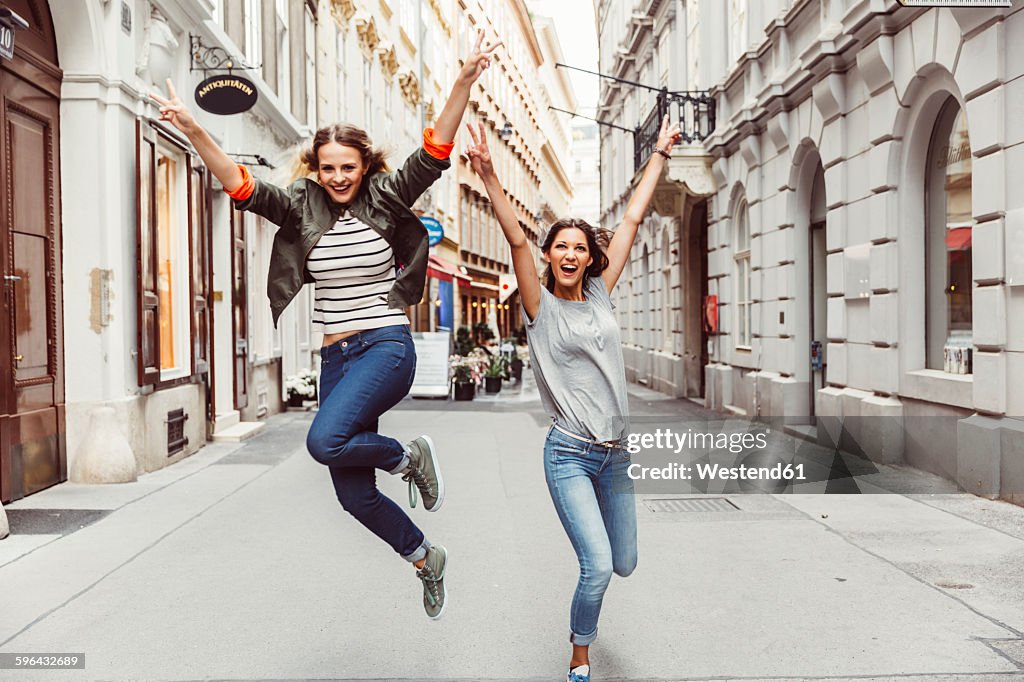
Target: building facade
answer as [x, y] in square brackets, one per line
[864, 246]
[528, 143]
[135, 320]
[661, 294]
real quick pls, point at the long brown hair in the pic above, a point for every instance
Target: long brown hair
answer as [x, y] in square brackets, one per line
[347, 136]
[599, 261]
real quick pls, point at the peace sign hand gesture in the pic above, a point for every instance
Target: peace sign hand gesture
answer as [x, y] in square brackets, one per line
[478, 60]
[174, 110]
[668, 137]
[479, 154]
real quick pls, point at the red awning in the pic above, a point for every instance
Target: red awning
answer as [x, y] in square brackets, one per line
[958, 239]
[444, 271]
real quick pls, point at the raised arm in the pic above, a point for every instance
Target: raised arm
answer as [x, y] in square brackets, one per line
[175, 111]
[636, 209]
[451, 115]
[522, 259]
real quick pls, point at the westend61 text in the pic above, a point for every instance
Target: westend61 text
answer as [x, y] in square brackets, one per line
[710, 472]
[666, 439]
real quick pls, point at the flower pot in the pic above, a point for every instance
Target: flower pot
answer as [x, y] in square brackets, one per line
[464, 390]
[295, 400]
[492, 385]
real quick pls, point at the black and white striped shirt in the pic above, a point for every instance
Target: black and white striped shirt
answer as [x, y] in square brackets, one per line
[354, 269]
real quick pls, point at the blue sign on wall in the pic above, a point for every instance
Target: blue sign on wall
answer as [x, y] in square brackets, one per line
[435, 231]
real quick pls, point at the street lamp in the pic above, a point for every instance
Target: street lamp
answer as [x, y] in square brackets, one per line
[506, 131]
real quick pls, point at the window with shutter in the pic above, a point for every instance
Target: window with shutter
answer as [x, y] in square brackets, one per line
[199, 264]
[148, 357]
[173, 267]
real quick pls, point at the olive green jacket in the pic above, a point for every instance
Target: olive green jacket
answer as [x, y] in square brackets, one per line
[304, 212]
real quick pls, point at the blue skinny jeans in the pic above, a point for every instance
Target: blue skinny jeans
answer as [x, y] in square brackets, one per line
[361, 378]
[594, 498]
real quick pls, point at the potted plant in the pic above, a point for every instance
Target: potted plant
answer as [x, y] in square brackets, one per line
[301, 387]
[464, 341]
[465, 373]
[493, 375]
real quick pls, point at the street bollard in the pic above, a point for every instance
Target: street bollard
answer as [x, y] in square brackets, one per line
[104, 455]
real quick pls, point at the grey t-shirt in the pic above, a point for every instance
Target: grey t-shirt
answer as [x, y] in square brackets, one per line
[577, 361]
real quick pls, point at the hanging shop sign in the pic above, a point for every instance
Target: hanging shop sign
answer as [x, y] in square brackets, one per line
[9, 23]
[435, 230]
[226, 94]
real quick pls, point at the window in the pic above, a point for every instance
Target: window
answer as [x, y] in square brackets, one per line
[742, 289]
[666, 292]
[463, 226]
[737, 29]
[408, 19]
[342, 69]
[948, 252]
[265, 340]
[367, 94]
[168, 276]
[282, 76]
[172, 242]
[310, 76]
[253, 31]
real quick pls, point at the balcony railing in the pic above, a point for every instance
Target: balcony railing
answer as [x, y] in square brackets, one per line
[695, 112]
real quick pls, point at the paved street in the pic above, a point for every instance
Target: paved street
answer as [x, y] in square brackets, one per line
[238, 564]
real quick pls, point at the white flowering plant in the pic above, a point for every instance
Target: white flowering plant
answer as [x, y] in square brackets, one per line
[302, 384]
[467, 368]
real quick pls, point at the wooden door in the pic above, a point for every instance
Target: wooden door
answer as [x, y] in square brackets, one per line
[33, 453]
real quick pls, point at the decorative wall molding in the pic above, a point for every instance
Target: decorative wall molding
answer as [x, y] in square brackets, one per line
[366, 28]
[410, 87]
[343, 11]
[388, 59]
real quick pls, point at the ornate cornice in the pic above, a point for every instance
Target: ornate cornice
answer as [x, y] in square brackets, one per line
[343, 11]
[410, 86]
[388, 59]
[366, 27]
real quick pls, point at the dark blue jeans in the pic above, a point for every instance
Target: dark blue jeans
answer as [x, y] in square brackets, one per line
[361, 378]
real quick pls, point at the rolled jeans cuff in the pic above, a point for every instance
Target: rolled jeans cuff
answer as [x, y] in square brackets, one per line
[582, 640]
[401, 465]
[418, 553]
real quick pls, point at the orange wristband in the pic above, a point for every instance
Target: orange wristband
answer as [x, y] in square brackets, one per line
[248, 185]
[439, 150]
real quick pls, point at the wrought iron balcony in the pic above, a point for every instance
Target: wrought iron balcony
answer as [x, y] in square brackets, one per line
[695, 112]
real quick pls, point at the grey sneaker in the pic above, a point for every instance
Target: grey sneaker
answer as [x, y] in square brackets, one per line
[432, 574]
[424, 474]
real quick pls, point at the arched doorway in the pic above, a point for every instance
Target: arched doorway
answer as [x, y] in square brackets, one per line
[33, 450]
[811, 313]
[694, 276]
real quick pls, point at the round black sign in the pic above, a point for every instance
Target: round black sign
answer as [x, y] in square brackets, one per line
[226, 94]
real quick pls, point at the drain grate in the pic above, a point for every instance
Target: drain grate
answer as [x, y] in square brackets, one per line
[52, 521]
[691, 504]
